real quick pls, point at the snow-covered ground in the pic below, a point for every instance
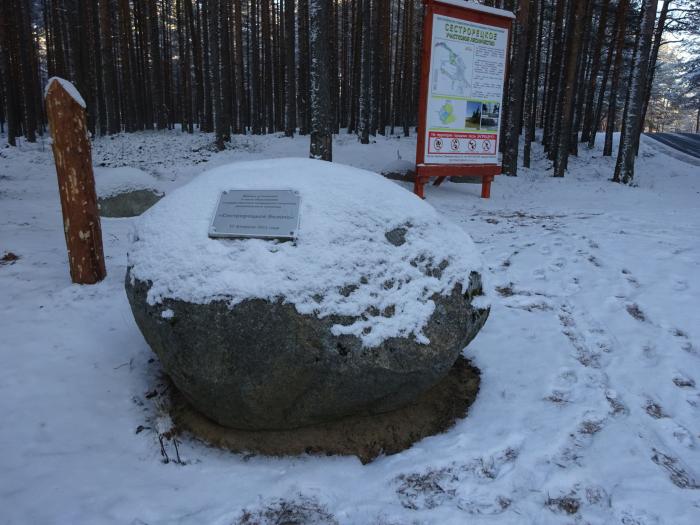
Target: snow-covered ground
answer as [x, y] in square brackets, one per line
[589, 409]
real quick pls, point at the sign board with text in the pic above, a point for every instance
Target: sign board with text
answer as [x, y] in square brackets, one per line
[263, 214]
[465, 53]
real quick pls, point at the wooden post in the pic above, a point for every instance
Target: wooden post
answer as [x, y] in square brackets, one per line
[76, 183]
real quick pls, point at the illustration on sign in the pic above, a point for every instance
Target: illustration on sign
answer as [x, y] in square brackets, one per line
[265, 214]
[467, 72]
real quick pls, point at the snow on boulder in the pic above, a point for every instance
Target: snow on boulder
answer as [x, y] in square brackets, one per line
[125, 192]
[367, 308]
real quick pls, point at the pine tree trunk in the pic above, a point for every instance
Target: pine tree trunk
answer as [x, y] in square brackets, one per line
[396, 70]
[215, 65]
[516, 88]
[225, 95]
[290, 80]
[11, 80]
[267, 66]
[532, 83]
[598, 110]
[27, 86]
[624, 169]
[589, 124]
[198, 98]
[660, 26]
[407, 77]
[617, 72]
[580, 91]
[303, 45]
[551, 113]
[356, 65]
[365, 107]
[160, 110]
[321, 136]
[108, 70]
[208, 118]
[547, 59]
[333, 64]
[243, 110]
[574, 43]
[57, 39]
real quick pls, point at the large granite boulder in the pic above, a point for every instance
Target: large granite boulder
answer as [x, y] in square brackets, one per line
[369, 307]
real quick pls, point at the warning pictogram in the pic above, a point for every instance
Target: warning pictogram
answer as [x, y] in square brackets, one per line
[472, 144]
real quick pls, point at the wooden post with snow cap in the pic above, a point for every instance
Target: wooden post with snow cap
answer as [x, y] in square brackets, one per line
[76, 183]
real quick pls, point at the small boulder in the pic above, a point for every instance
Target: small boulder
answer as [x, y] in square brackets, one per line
[369, 307]
[401, 170]
[125, 192]
[128, 204]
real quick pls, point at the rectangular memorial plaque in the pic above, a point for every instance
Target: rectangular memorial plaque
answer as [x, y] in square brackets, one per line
[263, 214]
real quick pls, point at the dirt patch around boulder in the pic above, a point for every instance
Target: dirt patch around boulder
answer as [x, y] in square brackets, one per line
[364, 436]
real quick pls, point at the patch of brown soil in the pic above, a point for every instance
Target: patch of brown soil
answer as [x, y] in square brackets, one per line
[364, 436]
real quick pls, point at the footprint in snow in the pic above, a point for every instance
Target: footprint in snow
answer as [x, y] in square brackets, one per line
[686, 344]
[594, 261]
[630, 279]
[617, 407]
[567, 376]
[672, 430]
[579, 498]
[558, 264]
[650, 355]
[638, 517]
[436, 487]
[636, 312]
[559, 396]
[679, 474]
[680, 286]
[654, 409]
[683, 381]
[579, 440]
[587, 355]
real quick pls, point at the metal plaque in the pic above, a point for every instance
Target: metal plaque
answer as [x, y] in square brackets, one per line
[262, 214]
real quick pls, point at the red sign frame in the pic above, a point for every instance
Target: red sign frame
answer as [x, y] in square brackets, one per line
[424, 171]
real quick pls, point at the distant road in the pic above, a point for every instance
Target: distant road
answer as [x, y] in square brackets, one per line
[688, 143]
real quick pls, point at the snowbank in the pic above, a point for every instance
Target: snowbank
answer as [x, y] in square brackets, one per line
[345, 214]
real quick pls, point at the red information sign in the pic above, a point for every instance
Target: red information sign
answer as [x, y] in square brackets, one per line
[464, 65]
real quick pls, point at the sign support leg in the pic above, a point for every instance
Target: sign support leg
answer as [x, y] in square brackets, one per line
[486, 186]
[418, 186]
